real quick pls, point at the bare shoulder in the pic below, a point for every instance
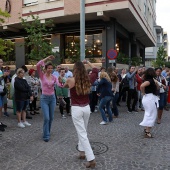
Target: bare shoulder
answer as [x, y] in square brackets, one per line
[71, 82]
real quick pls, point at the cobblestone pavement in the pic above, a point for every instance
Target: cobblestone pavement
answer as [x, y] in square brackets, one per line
[24, 149]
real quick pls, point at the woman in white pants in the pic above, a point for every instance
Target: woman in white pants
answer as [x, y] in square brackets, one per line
[149, 101]
[79, 86]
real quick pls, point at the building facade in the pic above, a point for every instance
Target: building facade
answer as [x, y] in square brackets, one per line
[124, 25]
[151, 52]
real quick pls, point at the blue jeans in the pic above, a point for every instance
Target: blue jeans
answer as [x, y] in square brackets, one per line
[114, 105]
[48, 103]
[162, 101]
[106, 102]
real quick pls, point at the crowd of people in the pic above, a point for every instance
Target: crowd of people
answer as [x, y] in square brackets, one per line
[85, 90]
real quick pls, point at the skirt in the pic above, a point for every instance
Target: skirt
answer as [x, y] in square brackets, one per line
[150, 104]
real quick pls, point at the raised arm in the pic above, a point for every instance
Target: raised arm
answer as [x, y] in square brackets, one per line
[41, 64]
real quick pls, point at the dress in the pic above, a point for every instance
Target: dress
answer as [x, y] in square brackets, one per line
[150, 104]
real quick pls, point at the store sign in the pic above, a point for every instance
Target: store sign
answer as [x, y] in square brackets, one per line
[112, 54]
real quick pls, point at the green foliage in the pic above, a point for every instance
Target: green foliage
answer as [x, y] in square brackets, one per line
[124, 59]
[167, 64]
[5, 46]
[37, 41]
[161, 57]
[6, 49]
[3, 15]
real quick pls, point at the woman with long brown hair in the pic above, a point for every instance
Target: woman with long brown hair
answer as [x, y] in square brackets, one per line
[115, 90]
[79, 86]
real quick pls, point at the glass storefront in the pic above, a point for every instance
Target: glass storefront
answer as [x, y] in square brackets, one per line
[93, 45]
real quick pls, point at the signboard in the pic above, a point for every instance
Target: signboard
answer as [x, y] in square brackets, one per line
[112, 54]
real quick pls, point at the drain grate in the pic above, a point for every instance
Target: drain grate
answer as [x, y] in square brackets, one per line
[98, 148]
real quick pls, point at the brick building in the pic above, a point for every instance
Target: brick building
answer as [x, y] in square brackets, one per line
[125, 25]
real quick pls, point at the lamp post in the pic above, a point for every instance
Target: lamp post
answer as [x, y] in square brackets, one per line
[82, 30]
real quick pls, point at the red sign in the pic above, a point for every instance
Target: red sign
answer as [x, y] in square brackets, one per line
[112, 54]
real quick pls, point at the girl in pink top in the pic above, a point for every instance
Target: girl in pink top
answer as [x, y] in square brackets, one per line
[48, 99]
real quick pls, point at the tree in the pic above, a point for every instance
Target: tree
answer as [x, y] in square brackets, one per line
[37, 37]
[3, 15]
[5, 46]
[6, 49]
[161, 57]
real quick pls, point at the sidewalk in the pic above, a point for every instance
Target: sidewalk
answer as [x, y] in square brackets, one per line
[119, 145]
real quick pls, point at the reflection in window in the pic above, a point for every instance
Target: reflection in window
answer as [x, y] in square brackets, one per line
[93, 45]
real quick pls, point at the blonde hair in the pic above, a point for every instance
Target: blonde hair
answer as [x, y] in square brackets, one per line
[19, 71]
[105, 75]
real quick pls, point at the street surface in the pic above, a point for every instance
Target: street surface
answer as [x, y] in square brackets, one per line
[121, 144]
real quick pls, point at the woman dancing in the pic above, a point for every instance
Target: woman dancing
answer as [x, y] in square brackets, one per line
[79, 86]
[149, 101]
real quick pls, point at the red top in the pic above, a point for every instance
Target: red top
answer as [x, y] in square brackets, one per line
[139, 81]
[78, 100]
[93, 76]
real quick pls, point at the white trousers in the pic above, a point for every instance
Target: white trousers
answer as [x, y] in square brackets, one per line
[80, 117]
[150, 104]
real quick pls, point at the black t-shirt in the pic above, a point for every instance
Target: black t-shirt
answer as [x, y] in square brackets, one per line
[151, 88]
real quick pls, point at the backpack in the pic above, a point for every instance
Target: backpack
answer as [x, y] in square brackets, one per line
[125, 82]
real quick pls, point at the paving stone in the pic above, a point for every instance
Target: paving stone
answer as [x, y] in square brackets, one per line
[24, 149]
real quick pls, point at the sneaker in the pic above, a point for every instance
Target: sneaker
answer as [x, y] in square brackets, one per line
[26, 123]
[3, 125]
[135, 111]
[69, 114]
[95, 110]
[2, 129]
[46, 140]
[103, 123]
[6, 114]
[21, 125]
[129, 111]
[63, 117]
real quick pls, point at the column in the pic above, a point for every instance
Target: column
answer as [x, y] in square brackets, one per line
[20, 52]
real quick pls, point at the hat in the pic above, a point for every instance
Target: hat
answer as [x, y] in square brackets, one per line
[31, 71]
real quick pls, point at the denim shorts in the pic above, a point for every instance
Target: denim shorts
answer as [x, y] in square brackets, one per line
[21, 105]
[1, 101]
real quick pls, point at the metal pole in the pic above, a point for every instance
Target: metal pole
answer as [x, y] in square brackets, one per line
[82, 30]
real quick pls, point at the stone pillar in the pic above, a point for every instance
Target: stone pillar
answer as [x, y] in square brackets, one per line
[20, 52]
[55, 40]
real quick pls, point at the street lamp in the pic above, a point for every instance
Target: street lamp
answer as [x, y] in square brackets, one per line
[82, 30]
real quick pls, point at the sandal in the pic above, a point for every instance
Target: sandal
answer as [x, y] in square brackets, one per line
[148, 135]
[90, 164]
[82, 155]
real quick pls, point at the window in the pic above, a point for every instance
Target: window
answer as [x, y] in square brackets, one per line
[145, 7]
[93, 45]
[30, 2]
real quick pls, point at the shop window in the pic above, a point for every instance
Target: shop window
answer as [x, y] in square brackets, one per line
[93, 45]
